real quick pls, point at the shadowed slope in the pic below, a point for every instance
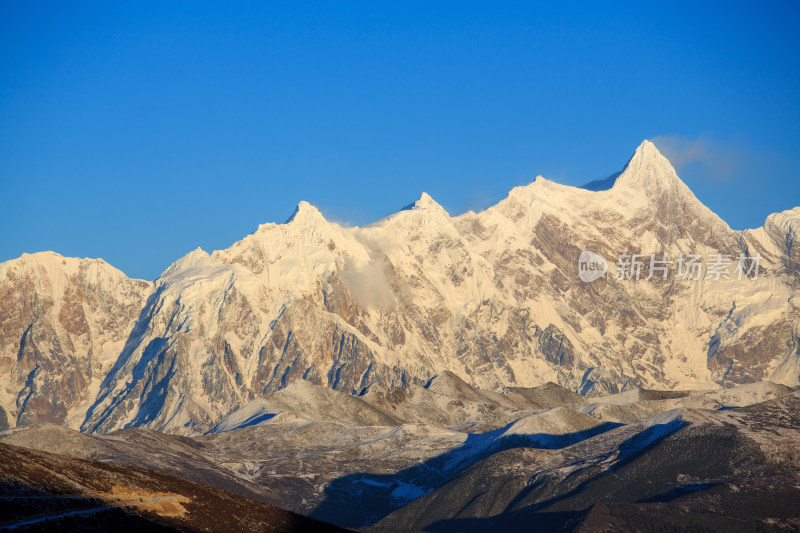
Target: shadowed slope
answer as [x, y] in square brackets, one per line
[54, 492]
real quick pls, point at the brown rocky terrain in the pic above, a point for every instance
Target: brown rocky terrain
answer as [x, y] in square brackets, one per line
[453, 458]
[45, 492]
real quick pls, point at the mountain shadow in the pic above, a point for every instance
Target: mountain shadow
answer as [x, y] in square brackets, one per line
[357, 500]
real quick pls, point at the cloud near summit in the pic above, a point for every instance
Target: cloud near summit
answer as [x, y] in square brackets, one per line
[714, 160]
[368, 285]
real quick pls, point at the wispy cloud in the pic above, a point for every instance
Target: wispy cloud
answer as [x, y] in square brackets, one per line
[713, 159]
[368, 284]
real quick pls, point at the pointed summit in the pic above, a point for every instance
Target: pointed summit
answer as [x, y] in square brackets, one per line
[650, 172]
[649, 178]
[305, 212]
[648, 155]
[425, 202]
[648, 149]
[195, 257]
[647, 164]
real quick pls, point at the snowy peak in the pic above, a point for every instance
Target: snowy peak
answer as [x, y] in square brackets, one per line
[194, 258]
[783, 229]
[787, 221]
[56, 267]
[425, 210]
[305, 213]
[650, 172]
[527, 191]
[648, 150]
[425, 202]
[647, 154]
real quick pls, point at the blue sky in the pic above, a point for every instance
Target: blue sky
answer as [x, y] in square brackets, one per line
[138, 132]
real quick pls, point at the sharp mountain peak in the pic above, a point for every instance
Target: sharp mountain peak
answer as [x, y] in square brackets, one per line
[647, 171]
[304, 213]
[650, 172]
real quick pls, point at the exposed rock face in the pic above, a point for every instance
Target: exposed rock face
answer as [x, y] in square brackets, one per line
[493, 297]
[63, 322]
[783, 230]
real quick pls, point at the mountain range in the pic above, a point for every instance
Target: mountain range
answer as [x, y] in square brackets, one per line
[605, 358]
[494, 297]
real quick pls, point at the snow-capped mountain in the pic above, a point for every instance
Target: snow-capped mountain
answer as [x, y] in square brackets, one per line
[493, 297]
[63, 324]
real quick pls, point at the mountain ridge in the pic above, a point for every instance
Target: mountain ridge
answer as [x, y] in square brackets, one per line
[493, 297]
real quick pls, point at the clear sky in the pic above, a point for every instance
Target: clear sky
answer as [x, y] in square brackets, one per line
[138, 131]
